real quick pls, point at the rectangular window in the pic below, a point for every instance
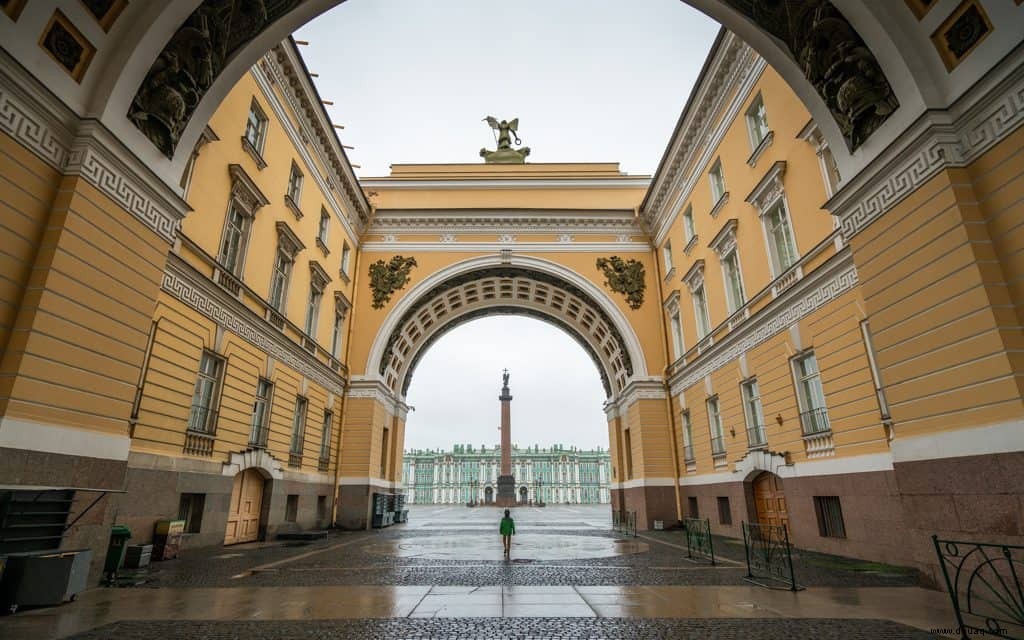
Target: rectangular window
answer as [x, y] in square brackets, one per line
[384, 453]
[279, 275]
[715, 424]
[325, 226]
[256, 127]
[757, 122]
[313, 311]
[688, 227]
[260, 427]
[677, 334]
[753, 413]
[291, 508]
[810, 395]
[829, 169]
[295, 184]
[734, 295]
[781, 245]
[724, 512]
[830, 516]
[628, 454]
[232, 248]
[299, 426]
[190, 509]
[321, 508]
[700, 311]
[203, 417]
[876, 376]
[687, 438]
[666, 253]
[325, 440]
[692, 507]
[346, 255]
[717, 180]
[337, 335]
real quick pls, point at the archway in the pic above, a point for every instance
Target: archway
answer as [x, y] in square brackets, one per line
[248, 493]
[488, 495]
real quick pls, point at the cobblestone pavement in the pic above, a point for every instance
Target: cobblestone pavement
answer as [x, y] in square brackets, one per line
[512, 629]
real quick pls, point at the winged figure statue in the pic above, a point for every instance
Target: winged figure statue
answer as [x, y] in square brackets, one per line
[506, 133]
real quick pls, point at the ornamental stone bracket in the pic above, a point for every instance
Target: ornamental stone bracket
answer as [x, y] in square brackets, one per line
[253, 459]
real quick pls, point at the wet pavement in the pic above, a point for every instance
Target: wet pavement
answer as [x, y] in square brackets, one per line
[443, 575]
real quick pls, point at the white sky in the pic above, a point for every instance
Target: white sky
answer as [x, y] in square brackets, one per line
[589, 80]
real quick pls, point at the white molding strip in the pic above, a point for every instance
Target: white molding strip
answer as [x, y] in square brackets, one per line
[492, 247]
[351, 481]
[481, 221]
[643, 482]
[617, 182]
[1003, 437]
[69, 441]
[869, 463]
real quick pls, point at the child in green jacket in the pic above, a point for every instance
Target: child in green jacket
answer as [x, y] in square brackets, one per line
[507, 529]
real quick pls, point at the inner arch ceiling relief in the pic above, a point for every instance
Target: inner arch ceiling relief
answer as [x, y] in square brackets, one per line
[509, 290]
[827, 48]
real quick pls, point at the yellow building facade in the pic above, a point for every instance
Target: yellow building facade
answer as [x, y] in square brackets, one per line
[788, 332]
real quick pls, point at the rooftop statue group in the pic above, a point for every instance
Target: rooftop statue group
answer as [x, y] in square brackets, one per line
[505, 154]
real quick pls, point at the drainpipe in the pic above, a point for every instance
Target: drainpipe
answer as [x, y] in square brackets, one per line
[668, 390]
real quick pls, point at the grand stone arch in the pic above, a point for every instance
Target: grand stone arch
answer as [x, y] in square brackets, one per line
[526, 286]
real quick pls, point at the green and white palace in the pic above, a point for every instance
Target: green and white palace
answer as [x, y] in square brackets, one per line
[465, 474]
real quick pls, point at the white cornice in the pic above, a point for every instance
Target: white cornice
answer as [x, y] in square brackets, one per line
[364, 387]
[510, 183]
[501, 220]
[184, 283]
[494, 247]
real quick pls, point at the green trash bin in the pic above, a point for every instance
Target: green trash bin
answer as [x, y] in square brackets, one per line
[119, 535]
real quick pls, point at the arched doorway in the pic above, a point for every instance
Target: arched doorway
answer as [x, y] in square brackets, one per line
[770, 500]
[523, 494]
[245, 508]
[488, 495]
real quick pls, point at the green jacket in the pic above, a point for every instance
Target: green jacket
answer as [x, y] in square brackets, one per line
[508, 527]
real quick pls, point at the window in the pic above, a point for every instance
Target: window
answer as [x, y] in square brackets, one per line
[291, 508]
[734, 295]
[666, 252]
[259, 429]
[688, 228]
[687, 438]
[830, 516]
[384, 453]
[190, 509]
[324, 228]
[337, 335]
[313, 310]
[700, 311]
[232, 248]
[321, 508]
[781, 245]
[256, 128]
[757, 122]
[753, 413]
[299, 426]
[279, 275]
[811, 397]
[677, 333]
[691, 506]
[830, 170]
[717, 180]
[325, 440]
[628, 446]
[724, 512]
[294, 184]
[203, 418]
[876, 376]
[346, 255]
[715, 424]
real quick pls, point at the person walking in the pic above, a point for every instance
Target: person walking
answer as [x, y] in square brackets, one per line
[507, 529]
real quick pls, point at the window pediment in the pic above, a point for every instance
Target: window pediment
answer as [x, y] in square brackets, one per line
[341, 304]
[288, 241]
[769, 189]
[245, 191]
[318, 274]
[672, 303]
[694, 277]
[724, 241]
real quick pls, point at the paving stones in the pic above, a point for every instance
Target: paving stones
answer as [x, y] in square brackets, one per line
[511, 629]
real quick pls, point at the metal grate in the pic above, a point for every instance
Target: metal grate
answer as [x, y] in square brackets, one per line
[830, 516]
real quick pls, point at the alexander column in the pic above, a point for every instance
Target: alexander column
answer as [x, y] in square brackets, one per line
[506, 482]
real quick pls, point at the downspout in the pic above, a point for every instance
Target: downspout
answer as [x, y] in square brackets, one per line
[668, 391]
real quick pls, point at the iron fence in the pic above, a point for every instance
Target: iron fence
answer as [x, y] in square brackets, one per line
[814, 421]
[984, 583]
[698, 539]
[769, 555]
[624, 522]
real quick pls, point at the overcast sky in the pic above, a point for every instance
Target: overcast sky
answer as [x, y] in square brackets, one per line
[589, 80]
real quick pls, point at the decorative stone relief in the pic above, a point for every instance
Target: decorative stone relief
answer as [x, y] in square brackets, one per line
[961, 32]
[625, 277]
[833, 57]
[105, 11]
[192, 60]
[389, 277]
[67, 45]
[448, 238]
[506, 238]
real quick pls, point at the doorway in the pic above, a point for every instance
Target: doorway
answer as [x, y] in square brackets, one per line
[770, 500]
[244, 510]
[488, 495]
[523, 495]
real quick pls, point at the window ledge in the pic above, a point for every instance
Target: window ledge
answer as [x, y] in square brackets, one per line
[690, 244]
[323, 246]
[760, 149]
[254, 153]
[717, 209]
[296, 211]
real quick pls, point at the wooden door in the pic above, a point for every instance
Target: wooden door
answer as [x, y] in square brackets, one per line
[244, 511]
[770, 501]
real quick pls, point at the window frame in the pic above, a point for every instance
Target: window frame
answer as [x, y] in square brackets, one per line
[316, 295]
[299, 417]
[828, 511]
[731, 302]
[808, 403]
[326, 429]
[750, 394]
[285, 274]
[753, 119]
[715, 420]
[702, 318]
[238, 267]
[724, 515]
[716, 178]
[216, 381]
[774, 261]
[689, 229]
[295, 182]
[687, 433]
[259, 433]
[262, 124]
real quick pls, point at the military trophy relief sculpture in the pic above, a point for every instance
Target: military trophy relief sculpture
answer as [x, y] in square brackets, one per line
[389, 277]
[505, 154]
[625, 277]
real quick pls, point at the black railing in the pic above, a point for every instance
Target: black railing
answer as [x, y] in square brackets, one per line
[769, 556]
[814, 421]
[717, 445]
[202, 419]
[323, 464]
[756, 437]
[984, 583]
[258, 439]
[294, 459]
[698, 539]
[624, 522]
